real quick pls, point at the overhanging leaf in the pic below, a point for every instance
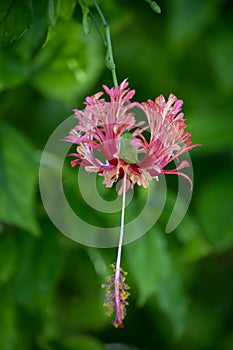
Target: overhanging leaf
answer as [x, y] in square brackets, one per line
[154, 272]
[16, 60]
[12, 70]
[82, 342]
[66, 8]
[194, 244]
[148, 261]
[18, 175]
[8, 331]
[59, 8]
[86, 315]
[15, 19]
[7, 257]
[221, 52]
[39, 269]
[184, 16]
[217, 135]
[67, 65]
[214, 205]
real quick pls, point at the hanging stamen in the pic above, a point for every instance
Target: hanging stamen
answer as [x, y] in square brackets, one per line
[116, 293]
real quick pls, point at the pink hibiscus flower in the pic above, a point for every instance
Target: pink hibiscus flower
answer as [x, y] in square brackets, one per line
[111, 143]
[100, 137]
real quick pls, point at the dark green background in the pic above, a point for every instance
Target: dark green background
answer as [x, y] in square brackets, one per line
[181, 284]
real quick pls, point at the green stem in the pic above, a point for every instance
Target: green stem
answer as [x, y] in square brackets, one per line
[109, 58]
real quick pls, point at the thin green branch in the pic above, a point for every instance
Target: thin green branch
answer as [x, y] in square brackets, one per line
[155, 7]
[110, 64]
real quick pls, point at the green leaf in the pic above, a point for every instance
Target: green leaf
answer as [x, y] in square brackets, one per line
[52, 11]
[85, 20]
[50, 324]
[221, 53]
[214, 206]
[127, 151]
[186, 15]
[15, 19]
[12, 70]
[120, 346]
[154, 273]
[26, 48]
[39, 269]
[60, 8]
[189, 232]
[194, 243]
[8, 333]
[207, 129]
[66, 8]
[86, 314]
[16, 61]
[18, 177]
[12, 330]
[81, 342]
[7, 257]
[148, 261]
[67, 65]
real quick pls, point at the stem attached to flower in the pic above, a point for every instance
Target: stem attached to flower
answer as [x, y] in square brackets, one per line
[122, 223]
[109, 57]
[118, 262]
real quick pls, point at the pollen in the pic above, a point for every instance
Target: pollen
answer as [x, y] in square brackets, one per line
[116, 297]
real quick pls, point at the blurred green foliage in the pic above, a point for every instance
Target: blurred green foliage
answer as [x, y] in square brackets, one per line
[181, 283]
